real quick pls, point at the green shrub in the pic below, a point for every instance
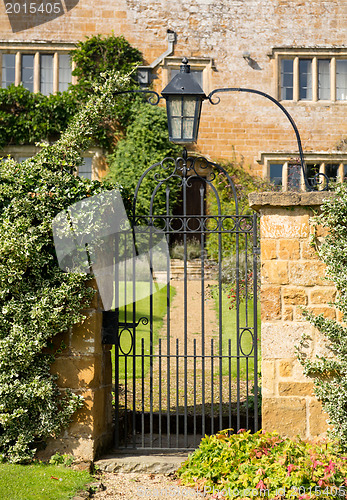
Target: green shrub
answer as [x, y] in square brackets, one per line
[145, 144]
[263, 463]
[330, 373]
[27, 118]
[38, 300]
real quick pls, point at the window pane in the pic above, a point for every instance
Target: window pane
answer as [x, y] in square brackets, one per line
[276, 173]
[311, 171]
[46, 74]
[294, 177]
[341, 79]
[323, 79]
[85, 170]
[28, 71]
[331, 170]
[8, 69]
[305, 79]
[64, 71]
[287, 79]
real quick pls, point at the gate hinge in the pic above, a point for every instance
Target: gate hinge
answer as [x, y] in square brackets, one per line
[256, 250]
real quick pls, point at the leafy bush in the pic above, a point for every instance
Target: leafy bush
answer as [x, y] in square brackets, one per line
[330, 373]
[145, 144]
[26, 118]
[267, 466]
[37, 300]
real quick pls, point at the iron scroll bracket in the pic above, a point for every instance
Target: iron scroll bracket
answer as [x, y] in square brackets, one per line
[111, 326]
[310, 186]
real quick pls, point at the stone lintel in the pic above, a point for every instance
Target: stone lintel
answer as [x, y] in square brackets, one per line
[257, 201]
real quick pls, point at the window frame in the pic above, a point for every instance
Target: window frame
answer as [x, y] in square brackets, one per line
[279, 54]
[21, 152]
[311, 158]
[37, 49]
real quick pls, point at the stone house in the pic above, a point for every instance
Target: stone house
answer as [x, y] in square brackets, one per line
[294, 51]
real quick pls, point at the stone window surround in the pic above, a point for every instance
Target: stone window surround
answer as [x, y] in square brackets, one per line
[37, 48]
[17, 152]
[321, 158]
[314, 53]
[204, 64]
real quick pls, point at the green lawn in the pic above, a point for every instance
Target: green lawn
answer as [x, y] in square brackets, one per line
[229, 333]
[40, 482]
[159, 301]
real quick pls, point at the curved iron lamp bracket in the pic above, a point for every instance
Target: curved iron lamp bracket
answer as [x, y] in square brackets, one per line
[153, 99]
[315, 181]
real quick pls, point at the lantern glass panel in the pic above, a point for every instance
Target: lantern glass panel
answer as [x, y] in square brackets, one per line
[176, 124]
[188, 129]
[175, 104]
[189, 104]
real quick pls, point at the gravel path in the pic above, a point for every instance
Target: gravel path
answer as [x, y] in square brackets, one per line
[134, 486]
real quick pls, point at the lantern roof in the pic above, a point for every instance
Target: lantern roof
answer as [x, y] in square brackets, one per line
[184, 83]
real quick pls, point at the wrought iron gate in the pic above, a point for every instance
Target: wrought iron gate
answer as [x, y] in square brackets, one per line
[186, 349]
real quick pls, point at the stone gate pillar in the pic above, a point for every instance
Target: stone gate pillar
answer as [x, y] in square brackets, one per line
[84, 367]
[291, 276]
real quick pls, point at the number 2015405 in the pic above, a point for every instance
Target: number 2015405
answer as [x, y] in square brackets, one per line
[33, 8]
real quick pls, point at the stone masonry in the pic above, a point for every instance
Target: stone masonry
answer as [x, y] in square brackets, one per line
[84, 367]
[223, 32]
[292, 277]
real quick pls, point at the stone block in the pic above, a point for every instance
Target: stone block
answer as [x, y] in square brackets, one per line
[268, 249]
[86, 336]
[284, 226]
[278, 340]
[286, 415]
[285, 368]
[270, 302]
[307, 273]
[289, 249]
[295, 388]
[268, 376]
[287, 313]
[322, 295]
[78, 372]
[317, 419]
[275, 273]
[294, 296]
[307, 251]
[328, 312]
[92, 419]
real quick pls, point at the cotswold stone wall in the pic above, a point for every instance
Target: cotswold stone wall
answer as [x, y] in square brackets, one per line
[222, 31]
[292, 276]
[84, 367]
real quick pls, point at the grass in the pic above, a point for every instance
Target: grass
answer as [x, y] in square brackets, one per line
[40, 482]
[143, 331]
[229, 319]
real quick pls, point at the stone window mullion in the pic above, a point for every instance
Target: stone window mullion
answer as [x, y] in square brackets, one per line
[314, 79]
[55, 72]
[333, 78]
[18, 71]
[37, 72]
[296, 79]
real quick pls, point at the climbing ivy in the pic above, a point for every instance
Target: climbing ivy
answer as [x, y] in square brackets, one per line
[329, 372]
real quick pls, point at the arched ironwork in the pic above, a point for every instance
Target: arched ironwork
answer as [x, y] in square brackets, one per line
[189, 383]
